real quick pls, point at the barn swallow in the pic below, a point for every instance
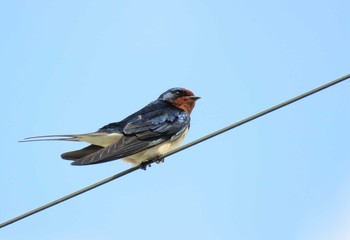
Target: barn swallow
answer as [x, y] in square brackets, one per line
[147, 134]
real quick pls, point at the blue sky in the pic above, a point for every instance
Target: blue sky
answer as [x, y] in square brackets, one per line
[74, 66]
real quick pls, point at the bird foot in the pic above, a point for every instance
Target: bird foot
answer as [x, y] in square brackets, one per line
[144, 165]
[158, 159]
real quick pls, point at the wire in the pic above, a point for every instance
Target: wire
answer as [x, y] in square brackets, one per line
[202, 139]
[69, 196]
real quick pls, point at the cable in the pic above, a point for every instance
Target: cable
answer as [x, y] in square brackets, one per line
[260, 114]
[202, 139]
[69, 196]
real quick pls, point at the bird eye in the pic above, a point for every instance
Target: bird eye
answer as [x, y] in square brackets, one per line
[177, 93]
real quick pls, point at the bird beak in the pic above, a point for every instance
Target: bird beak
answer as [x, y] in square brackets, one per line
[194, 98]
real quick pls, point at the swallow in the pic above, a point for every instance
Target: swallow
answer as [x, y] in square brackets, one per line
[145, 135]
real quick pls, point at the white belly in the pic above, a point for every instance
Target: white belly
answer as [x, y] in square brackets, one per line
[157, 150]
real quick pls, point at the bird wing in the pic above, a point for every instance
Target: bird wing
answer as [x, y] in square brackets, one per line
[142, 131]
[77, 154]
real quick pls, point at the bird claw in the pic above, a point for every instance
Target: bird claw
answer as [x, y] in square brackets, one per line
[158, 160]
[144, 165]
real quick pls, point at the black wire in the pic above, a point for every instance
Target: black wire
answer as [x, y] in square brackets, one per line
[130, 170]
[69, 196]
[260, 114]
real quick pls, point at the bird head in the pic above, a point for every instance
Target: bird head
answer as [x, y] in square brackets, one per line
[181, 98]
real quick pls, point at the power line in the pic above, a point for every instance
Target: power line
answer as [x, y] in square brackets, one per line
[69, 196]
[202, 139]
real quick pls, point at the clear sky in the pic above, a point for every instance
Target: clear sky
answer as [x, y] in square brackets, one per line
[74, 66]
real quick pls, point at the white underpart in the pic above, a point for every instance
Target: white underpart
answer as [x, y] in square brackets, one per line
[157, 150]
[99, 139]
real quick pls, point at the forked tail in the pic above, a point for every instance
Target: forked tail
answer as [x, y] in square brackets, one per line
[66, 137]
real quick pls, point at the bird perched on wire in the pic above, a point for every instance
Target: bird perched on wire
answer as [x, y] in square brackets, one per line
[147, 134]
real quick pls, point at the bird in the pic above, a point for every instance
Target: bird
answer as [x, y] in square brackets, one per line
[145, 135]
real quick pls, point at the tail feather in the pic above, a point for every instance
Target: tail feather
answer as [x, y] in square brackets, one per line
[66, 137]
[96, 138]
